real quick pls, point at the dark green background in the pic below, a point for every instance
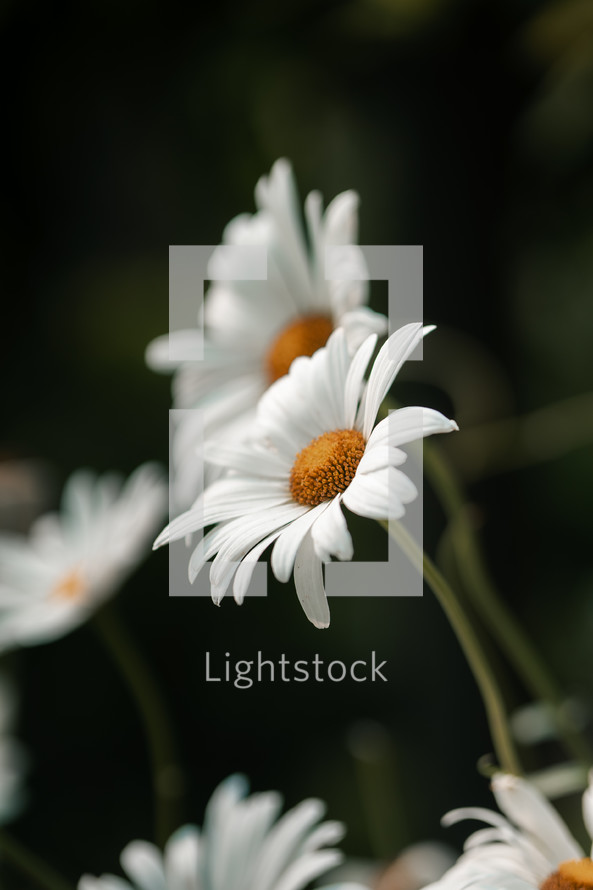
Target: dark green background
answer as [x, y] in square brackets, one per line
[465, 127]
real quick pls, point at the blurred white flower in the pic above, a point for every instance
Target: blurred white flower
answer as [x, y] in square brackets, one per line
[13, 760]
[254, 329]
[53, 579]
[317, 447]
[530, 849]
[242, 846]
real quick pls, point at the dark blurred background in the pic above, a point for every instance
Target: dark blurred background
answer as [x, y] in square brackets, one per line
[465, 127]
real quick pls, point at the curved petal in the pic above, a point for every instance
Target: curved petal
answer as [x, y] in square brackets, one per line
[380, 495]
[289, 541]
[330, 534]
[355, 377]
[391, 357]
[245, 570]
[531, 812]
[360, 323]
[308, 581]
[284, 842]
[408, 424]
[143, 863]
[307, 868]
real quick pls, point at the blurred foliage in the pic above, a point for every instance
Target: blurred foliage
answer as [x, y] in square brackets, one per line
[465, 127]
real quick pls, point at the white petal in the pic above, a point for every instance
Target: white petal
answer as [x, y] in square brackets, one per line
[359, 323]
[246, 568]
[408, 424]
[277, 195]
[307, 868]
[391, 357]
[531, 812]
[144, 864]
[588, 806]
[330, 534]
[379, 457]
[326, 834]
[284, 841]
[246, 533]
[289, 541]
[341, 218]
[354, 379]
[244, 458]
[225, 499]
[380, 495]
[182, 857]
[308, 581]
[188, 344]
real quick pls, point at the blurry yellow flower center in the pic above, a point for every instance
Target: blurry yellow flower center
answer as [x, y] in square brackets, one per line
[301, 337]
[573, 875]
[326, 466]
[70, 587]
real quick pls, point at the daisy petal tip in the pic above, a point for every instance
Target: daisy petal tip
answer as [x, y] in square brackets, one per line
[321, 625]
[503, 782]
[447, 821]
[454, 426]
[428, 329]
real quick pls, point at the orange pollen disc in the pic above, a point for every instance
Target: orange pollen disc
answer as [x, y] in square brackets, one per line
[304, 336]
[573, 875]
[326, 466]
[70, 587]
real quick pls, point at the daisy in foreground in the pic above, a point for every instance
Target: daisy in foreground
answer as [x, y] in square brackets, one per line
[252, 330]
[52, 580]
[315, 447]
[530, 849]
[242, 846]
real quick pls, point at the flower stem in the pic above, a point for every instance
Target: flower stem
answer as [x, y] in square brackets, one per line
[166, 775]
[491, 695]
[498, 618]
[30, 864]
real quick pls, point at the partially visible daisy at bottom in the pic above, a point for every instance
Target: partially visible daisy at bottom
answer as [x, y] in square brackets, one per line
[243, 845]
[54, 578]
[314, 448]
[527, 848]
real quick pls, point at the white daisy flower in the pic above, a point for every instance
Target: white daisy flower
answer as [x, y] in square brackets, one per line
[242, 846]
[13, 760]
[527, 848]
[254, 329]
[52, 580]
[317, 448]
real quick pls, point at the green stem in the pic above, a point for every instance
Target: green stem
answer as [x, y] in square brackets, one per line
[491, 696]
[153, 712]
[30, 864]
[500, 621]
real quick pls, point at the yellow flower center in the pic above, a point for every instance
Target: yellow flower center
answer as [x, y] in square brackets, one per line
[326, 466]
[573, 875]
[304, 336]
[70, 587]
